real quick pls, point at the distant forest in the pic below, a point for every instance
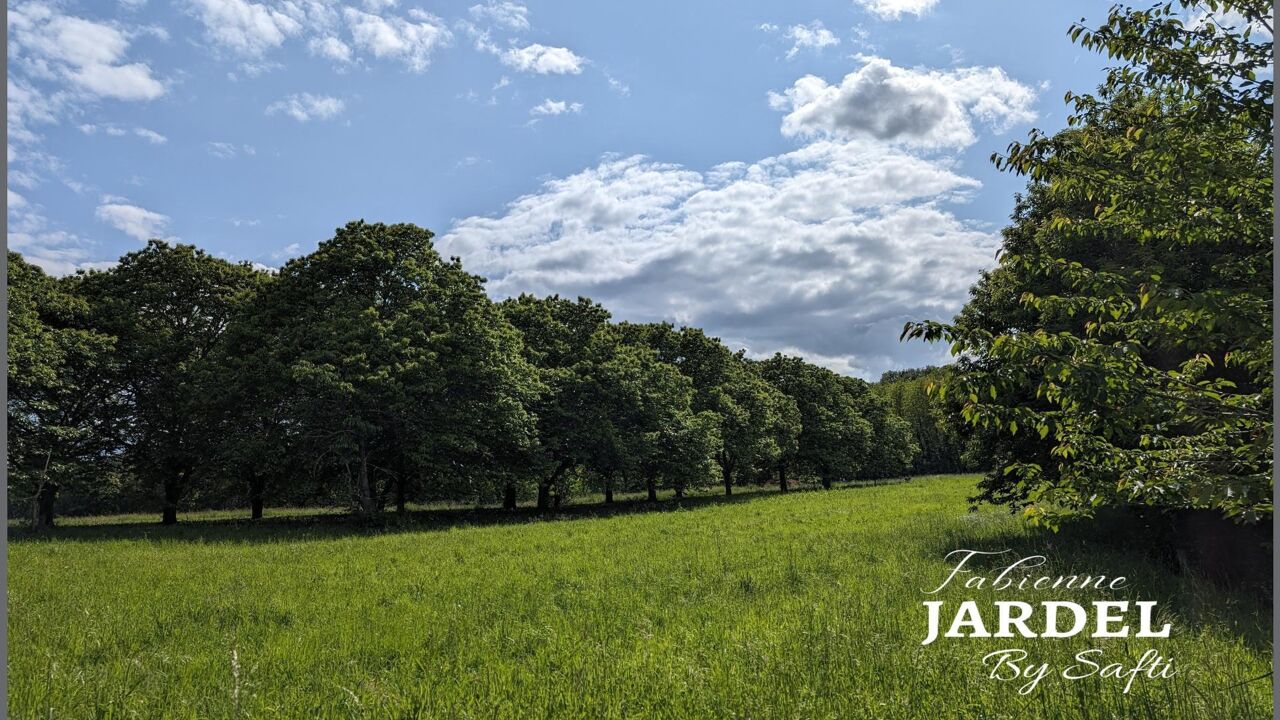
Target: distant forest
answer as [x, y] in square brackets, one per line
[373, 373]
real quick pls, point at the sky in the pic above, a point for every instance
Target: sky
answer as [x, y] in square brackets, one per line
[801, 178]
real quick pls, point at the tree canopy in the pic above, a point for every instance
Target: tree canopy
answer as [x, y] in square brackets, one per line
[1126, 334]
[373, 372]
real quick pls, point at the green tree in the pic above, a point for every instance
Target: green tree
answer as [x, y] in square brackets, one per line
[834, 440]
[756, 424]
[571, 427]
[246, 397]
[63, 409]
[939, 436]
[1149, 364]
[167, 306]
[399, 366]
[893, 446]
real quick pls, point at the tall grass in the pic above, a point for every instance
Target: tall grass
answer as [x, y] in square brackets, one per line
[806, 605]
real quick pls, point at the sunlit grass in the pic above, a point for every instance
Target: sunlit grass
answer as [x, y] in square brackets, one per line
[798, 606]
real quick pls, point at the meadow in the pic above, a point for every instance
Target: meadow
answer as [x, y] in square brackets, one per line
[763, 605]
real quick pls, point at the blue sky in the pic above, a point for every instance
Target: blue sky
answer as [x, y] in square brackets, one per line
[800, 177]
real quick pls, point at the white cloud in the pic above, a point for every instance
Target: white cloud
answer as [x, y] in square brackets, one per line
[555, 107]
[226, 150]
[504, 13]
[112, 130]
[543, 60]
[814, 36]
[136, 222]
[330, 47]
[150, 136]
[56, 251]
[287, 251]
[912, 107]
[90, 57]
[895, 9]
[827, 249]
[305, 106]
[395, 37]
[617, 85]
[245, 28]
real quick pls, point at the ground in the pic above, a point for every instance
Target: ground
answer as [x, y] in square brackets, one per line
[805, 605]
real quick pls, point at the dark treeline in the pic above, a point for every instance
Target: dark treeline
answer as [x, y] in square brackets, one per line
[375, 373]
[945, 442]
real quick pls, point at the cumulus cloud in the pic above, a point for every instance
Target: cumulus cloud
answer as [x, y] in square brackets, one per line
[409, 41]
[330, 47]
[543, 60]
[824, 251]
[136, 222]
[252, 29]
[510, 15]
[895, 9]
[913, 107]
[814, 36]
[555, 107]
[243, 27]
[305, 106]
[89, 57]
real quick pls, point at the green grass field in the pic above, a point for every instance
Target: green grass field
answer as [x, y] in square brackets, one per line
[806, 605]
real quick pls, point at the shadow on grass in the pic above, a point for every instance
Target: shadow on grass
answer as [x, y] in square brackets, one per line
[311, 526]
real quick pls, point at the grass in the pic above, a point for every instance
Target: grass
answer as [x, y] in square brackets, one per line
[806, 605]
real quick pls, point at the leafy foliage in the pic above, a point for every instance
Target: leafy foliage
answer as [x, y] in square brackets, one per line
[372, 371]
[1138, 356]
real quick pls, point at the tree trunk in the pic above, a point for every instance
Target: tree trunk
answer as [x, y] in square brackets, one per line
[363, 488]
[509, 497]
[401, 493]
[257, 487]
[544, 488]
[608, 490]
[679, 492]
[826, 482]
[782, 478]
[44, 504]
[726, 470]
[653, 490]
[172, 491]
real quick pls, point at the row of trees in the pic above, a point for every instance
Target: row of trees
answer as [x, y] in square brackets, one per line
[374, 372]
[1121, 351]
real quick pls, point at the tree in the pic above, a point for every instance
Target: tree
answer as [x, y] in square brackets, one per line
[939, 437]
[245, 396]
[168, 306]
[62, 406]
[756, 424]
[1150, 364]
[663, 438]
[398, 366]
[834, 439]
[893, 447]
[556, 334]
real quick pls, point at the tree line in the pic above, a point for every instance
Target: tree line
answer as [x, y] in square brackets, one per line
[374, 373]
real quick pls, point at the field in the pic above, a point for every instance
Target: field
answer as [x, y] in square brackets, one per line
[806, 605]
